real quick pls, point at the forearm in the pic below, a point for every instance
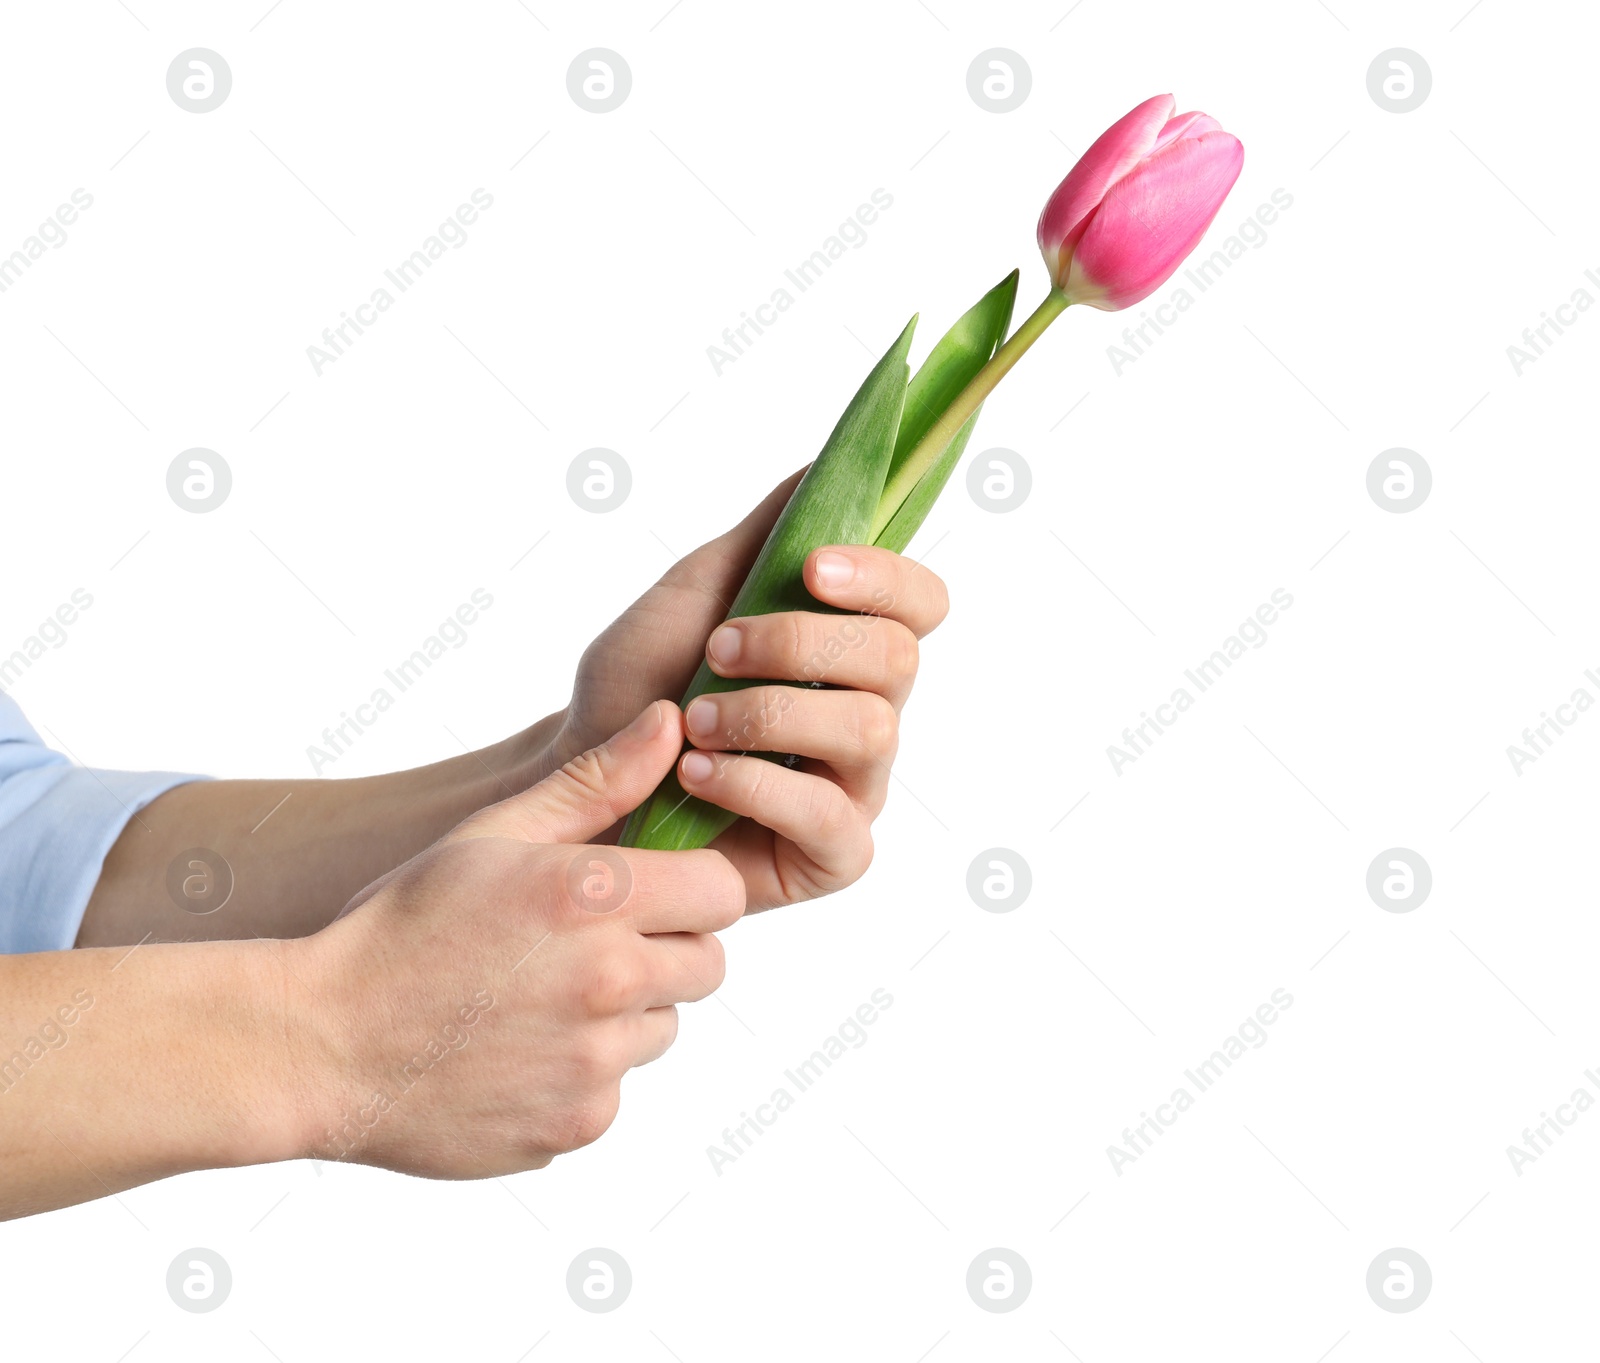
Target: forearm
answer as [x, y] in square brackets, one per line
[296, 851]
[118, 1067]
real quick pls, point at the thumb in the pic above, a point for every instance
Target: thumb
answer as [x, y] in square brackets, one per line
[585, 797]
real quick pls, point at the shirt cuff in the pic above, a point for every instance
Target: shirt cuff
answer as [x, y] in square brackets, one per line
[51, 851]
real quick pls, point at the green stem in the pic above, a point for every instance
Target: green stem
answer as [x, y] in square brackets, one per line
[967, 401]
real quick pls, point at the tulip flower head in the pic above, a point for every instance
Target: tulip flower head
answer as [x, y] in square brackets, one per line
[1136, 204]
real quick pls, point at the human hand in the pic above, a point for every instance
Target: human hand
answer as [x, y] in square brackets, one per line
[808, 831]
[481, 1002]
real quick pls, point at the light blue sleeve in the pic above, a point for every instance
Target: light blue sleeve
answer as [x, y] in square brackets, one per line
[57, 822]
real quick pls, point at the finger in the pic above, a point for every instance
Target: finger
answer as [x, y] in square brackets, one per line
[596, 788]
[809, 810]
[690, 891]
[861, 577]
[870, 653]
[854, 732]
[690, 966]
[657, 1029]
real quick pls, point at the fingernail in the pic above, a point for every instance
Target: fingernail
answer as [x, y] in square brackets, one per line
[834, 570]
[647, 724]
[701, 718]
[726, 645]
[697, 767]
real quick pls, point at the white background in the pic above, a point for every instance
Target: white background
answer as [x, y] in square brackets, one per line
[1227, 461]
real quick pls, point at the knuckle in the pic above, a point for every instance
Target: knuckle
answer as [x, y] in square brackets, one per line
[669, 1025]
[732, 907]
[595, 1059]
[877, 726]
[901, 652]
[600, 1056]
[938, 600]
[586, 1119]
[794, 639]
[861, 858]
[549, 895]
[724, 890]
[585, 774]
[760, 778]
[610, 986]
[829, 811]
[713, 967]
[770, 709]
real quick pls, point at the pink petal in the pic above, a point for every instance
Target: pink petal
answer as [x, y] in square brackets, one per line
[1115, 152]
[1151, 220]
[1185, 125]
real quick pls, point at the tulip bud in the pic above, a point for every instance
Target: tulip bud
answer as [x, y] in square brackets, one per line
[1136, 204]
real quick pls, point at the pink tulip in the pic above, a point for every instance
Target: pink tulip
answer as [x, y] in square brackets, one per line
[1116, 228]
[1136, 204]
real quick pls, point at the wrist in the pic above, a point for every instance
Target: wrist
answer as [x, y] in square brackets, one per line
[304, 1061]
[316, 1067]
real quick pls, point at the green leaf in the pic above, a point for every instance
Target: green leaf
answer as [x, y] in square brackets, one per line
[834, 504]
[951, 366]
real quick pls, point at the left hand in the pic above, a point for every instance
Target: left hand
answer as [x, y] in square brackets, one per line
[807, 830]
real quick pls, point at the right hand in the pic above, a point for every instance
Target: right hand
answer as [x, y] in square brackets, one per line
[482, 1002]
